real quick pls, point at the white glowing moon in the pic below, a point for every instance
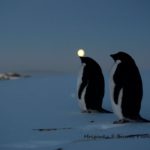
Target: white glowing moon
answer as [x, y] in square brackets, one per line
[81, 53]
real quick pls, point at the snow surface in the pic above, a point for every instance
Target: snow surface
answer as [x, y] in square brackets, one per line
[42, 113]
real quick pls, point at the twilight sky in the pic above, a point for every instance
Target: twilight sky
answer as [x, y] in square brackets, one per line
[44, 35]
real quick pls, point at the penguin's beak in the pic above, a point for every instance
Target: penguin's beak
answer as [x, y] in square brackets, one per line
[81, 58]
[113, 57]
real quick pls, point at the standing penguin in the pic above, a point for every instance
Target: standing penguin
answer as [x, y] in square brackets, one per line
[91, 86]
[126, 88]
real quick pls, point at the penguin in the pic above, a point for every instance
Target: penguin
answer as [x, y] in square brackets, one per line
[126, 89]
[90, 87]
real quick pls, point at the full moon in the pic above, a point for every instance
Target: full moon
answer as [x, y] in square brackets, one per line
[81, 53]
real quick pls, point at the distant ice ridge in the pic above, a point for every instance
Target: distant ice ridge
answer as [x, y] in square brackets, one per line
[11, 76]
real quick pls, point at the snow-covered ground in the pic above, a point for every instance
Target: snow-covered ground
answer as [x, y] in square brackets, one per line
[42, 113]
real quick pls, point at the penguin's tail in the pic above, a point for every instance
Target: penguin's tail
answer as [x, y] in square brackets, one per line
[141, 119]
[102, 110]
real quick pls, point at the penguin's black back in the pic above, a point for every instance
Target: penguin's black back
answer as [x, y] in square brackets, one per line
[92, 73]
[127, 78]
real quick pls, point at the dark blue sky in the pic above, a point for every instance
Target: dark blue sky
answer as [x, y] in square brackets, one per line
[45, 34]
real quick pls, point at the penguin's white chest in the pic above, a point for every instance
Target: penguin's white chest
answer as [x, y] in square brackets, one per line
[116, 107]
[81, 101]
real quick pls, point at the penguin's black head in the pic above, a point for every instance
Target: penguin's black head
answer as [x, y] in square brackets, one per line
[91, 64]
[122, 56]
[85, 60]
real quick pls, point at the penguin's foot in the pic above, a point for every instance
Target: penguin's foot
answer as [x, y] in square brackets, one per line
[92, 111]
[104, 111]
[96, 111]
[121, 121]
[84, 111]
[89, 111]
